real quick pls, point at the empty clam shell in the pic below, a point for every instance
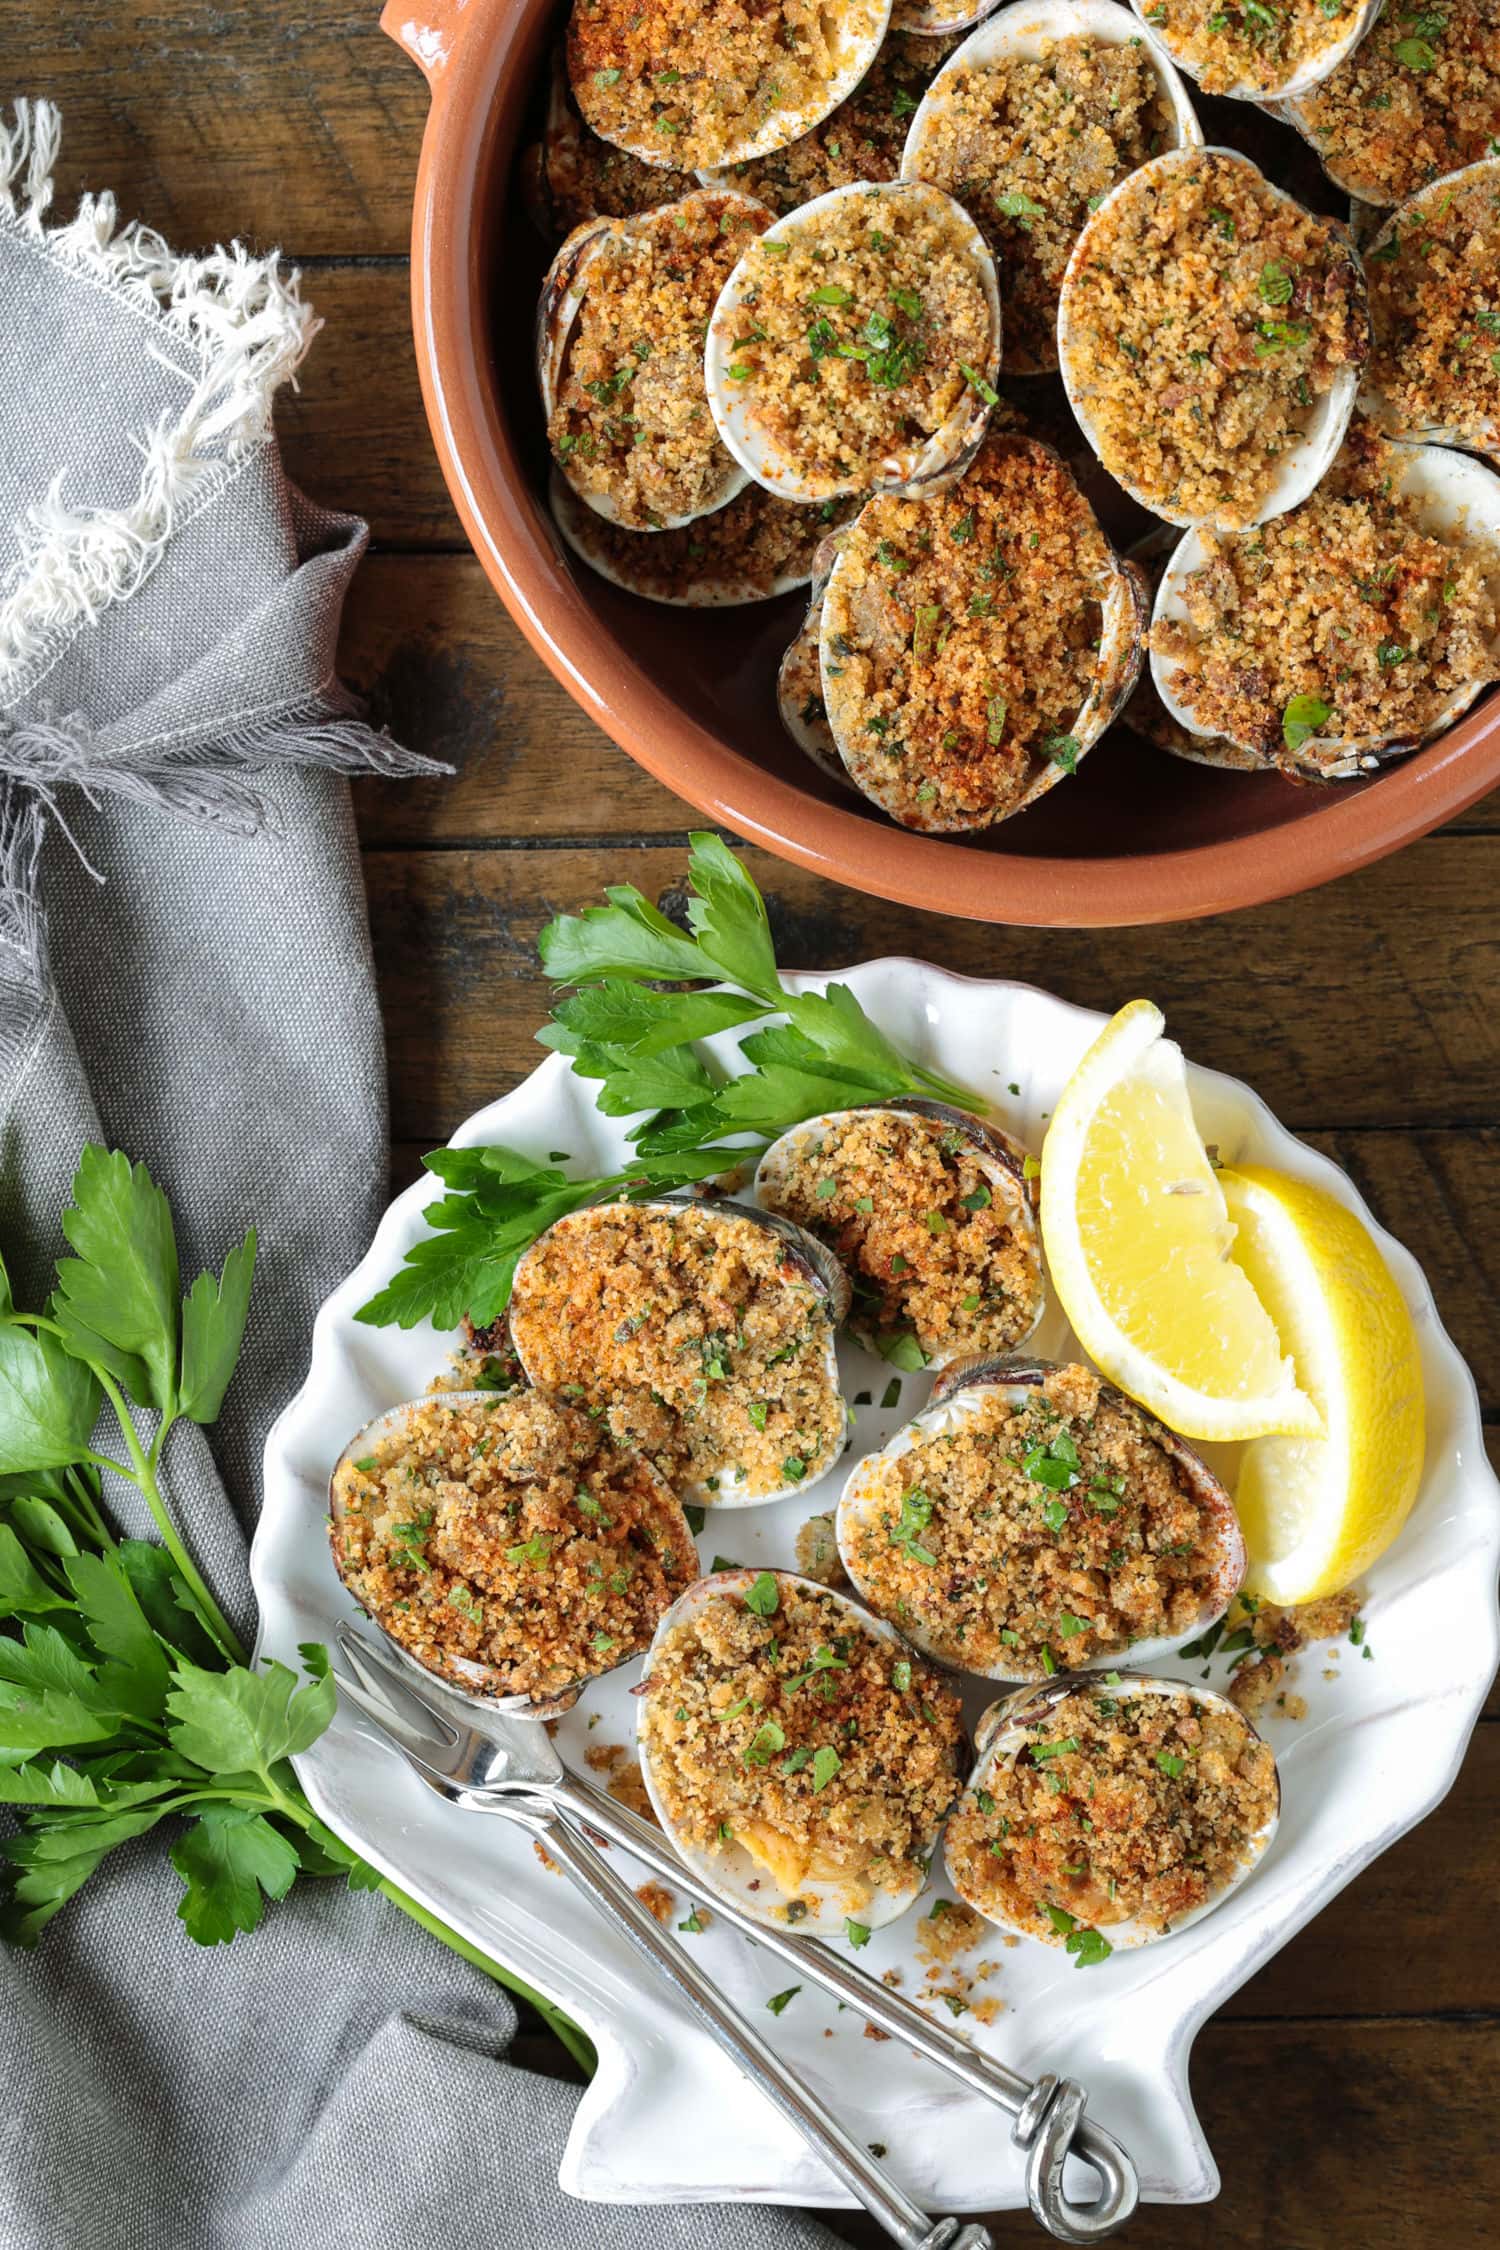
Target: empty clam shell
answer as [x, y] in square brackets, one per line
[1085, 1908]
[750, 550]
[867, 629]
[740, 1797]
[1183, 26]
[623, 1306]
[461, 1581]
[1459, 499]
[886, 1523]
[719, 93]
[1028, 31]
[584, 263]
[731, 368]
[1446, 317]
[800, 1176]
[1305, 461]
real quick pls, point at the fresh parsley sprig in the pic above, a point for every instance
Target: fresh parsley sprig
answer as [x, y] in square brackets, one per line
[639, 994]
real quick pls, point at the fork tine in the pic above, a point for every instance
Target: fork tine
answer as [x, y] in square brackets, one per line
[397, 1705]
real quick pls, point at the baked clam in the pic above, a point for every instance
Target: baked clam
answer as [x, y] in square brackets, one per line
[1211, 335]
[1031, 1518]
[505, 1544]
[619, 359]
[799, 679]
[1419, 616]
[714, 82]
[1107, 1814]
[1254, 53]
[932, 18]
[1029, 131]
[856, 344]
[1434, 273]
[797, 1754]
[976, 643]
[752, 549]
[931, 1214]
[569, 175]
[704, 1334]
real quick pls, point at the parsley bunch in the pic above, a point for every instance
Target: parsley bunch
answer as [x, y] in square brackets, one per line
[125, 1697]
[643, 993]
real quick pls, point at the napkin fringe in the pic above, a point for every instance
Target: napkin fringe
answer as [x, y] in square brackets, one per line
[240, 318]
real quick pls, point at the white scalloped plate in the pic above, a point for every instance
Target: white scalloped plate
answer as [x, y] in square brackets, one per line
[667, 2119]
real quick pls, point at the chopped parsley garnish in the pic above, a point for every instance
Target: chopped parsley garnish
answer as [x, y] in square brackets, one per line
[976, 382]
[1302, 718]
[857, 1933]
[768, 1739]
[1276, 283]
[915, 1516]
[1064, 750]
[779, 2000]
[763, 1597]
[1014, 205]
[1086, 1945]
[901, 1675]
[534, 1550]
[1170, 1765]
[826, 1763]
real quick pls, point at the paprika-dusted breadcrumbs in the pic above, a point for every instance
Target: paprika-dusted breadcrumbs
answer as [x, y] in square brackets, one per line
[1120, 1806]
[775, 1719]
[1030, 148]
[630, 422]
[512, 1535]
[1040, 1536]
[1255, 46]
[1345, 619]
[854, 344]
[860, 140]
[1435, 310]
[703, 82]
[961, 635]
[1419, 96]
[703, 1340]
[757, 545]
[935, 1233]
[1204, 319]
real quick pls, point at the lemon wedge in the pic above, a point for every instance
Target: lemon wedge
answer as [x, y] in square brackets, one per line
[1138, 1240]
[1317, 1511]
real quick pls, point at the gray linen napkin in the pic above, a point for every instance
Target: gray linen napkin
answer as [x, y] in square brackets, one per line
[167, 698]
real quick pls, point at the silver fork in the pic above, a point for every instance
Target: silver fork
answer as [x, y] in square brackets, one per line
[513, 1763]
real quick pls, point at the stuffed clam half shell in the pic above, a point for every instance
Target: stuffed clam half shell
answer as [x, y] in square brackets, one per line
[1110, 1813]
[798, 1755]
[505, 1544]
[1453, 499]
[704, 1333]
[1032, 1519]
[931, 1214]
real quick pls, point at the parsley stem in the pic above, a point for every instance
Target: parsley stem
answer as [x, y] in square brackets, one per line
[142, 1475]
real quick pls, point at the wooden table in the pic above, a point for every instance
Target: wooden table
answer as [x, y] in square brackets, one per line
[1348, 2091]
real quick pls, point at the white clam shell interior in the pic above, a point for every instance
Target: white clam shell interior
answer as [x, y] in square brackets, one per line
[1117, 667]
[1001, 1733]
[563, 293]
[1305, 462]
[1483, 432]
[859, 1503]
[932, 19]
[1018, 1204]
[1298, 81]
[1023, 32]
[939, 458]
[576, 523]
[732, 1489]
[732, 1873]
[1460, 498]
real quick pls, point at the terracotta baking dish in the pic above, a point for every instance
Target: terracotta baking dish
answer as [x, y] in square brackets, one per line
[1140, 837]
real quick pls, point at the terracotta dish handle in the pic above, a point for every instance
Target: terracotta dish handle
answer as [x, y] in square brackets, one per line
[427, 30]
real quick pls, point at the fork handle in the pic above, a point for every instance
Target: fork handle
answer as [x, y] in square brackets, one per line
[848, 2159]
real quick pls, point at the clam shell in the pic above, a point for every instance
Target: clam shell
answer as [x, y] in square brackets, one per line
[960, 1392]
[1459, 495]
[1301, 81]
[1022, 32]
[1146, 715]
[1482, 435]
[1000, 1735]
[1001, 1159]
[1305, 463]
[817, 1265]
[563, 293]
[858, 26]
[477, 1684]
[931, 19]
[552, 169]
[578, 526]
[732, 1874]
[1124, 600]
[938, 459]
